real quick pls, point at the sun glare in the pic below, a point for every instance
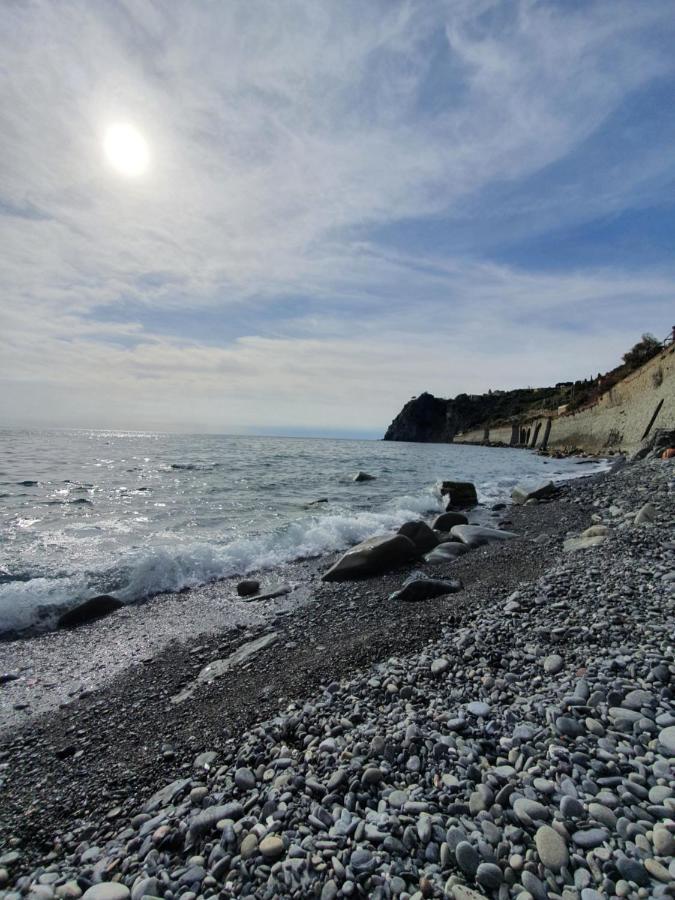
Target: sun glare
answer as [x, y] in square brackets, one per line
[126, 150]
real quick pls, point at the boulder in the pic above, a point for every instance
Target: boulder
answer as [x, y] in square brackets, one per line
[248, 587]
[461, 493]
[364, 476]
[94, 608]
[447, 552]
[420, 534]
[653, 446]
[477, 535]
[377, 554]
[418, 587]
[447, 520]
[522, 493]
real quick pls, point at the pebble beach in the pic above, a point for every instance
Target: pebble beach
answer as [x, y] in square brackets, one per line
[512, 740]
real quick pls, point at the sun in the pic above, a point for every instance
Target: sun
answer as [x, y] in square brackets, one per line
[126, 149]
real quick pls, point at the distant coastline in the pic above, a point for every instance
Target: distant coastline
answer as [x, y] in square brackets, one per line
[616, 420]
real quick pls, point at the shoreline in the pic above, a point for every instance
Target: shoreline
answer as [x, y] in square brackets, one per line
[57, 666]
[77, 775]
[159, 672]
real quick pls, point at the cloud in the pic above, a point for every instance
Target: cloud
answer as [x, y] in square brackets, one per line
[289, 143]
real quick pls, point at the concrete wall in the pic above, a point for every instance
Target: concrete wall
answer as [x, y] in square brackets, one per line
[617, 421]
[476, 436]
[503, 434]
[621, 416]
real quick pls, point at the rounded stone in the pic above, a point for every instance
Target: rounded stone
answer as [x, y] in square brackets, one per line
[489, 875]
[107, 890]
[551, 848]
[272, 847]
[667, 739]
[530, 811]
[590, 838]
[467, 857]
[244, 779]
[553, 664]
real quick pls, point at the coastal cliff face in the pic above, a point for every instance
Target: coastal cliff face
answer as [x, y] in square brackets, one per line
[430, 419]
[618, 419]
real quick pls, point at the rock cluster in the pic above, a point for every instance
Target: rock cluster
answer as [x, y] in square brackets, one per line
[528, 755]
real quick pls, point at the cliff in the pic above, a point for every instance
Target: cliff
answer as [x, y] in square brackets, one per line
[617, 418]
[429, 419]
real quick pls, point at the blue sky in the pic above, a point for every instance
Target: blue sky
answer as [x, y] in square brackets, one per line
[345, 204]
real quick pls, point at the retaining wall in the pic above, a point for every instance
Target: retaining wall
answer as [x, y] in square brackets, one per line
[618, 420]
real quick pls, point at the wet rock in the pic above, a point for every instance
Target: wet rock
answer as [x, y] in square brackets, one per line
[418, 587]
[94, 608]
[420, 534]
[370, 557]
[522, 493]
[478, 535]
[447, 520]
[248, 587]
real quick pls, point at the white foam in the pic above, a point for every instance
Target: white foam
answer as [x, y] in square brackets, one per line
[174, 567]
[174, 564]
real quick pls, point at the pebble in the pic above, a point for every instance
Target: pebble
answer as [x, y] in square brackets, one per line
[107, 890]
[551, 848]
[553, 664]
[272, 847]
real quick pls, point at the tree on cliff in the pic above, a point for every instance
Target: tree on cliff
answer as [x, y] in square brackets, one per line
[643, 351]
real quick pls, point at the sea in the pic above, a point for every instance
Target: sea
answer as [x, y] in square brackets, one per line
[136, 514]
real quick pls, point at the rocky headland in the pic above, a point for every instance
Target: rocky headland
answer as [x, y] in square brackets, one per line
[613, 413]
[512, 739]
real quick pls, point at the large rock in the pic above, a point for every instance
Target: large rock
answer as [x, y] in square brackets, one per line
[572, 544]
[94, 608]
[420, 534]
[418, 587]
[377, 554]
[461, 494]
[448, 520]
[653, 446]
[447, 552]
[477, 535]
[364, 476]
[522, 492]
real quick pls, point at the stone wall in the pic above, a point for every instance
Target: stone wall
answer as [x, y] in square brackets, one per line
[475, 436]
[618, 420]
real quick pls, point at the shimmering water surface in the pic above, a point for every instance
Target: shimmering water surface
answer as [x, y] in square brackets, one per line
[90, 512]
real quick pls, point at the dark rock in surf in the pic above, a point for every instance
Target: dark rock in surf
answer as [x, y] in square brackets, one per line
[420, 534]
[522, 493]
[248, 588]
[377, 554]
[448, 520]
[94, 608]
[418, 587]
[461, 494]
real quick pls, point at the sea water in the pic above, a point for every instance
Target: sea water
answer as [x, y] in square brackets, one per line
[135, 514]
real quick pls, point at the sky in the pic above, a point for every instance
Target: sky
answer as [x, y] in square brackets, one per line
[336, 205]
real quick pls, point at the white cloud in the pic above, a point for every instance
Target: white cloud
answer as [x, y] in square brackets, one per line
[281, 135]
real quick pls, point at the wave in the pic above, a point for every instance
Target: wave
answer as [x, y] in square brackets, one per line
[172, 568]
